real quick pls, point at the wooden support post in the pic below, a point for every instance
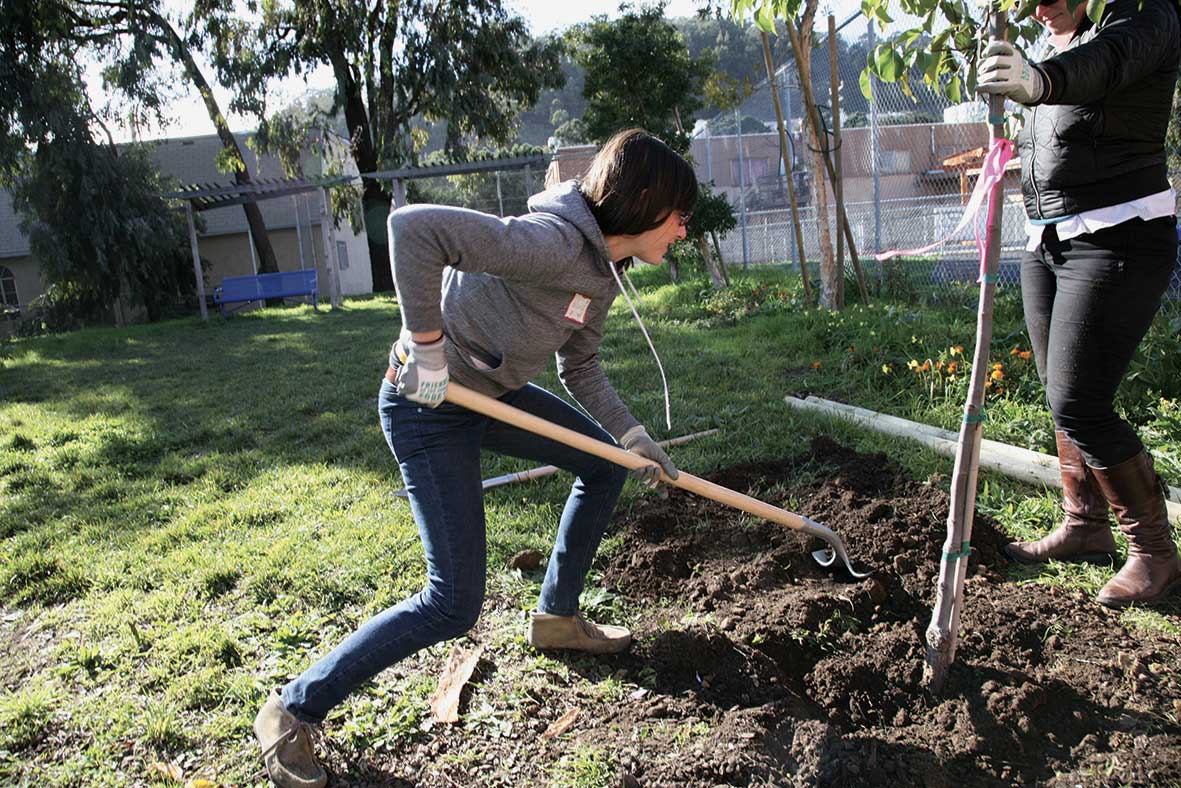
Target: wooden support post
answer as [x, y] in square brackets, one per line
[838, 185]
[785, 153]
[331, 263]
[197, 272]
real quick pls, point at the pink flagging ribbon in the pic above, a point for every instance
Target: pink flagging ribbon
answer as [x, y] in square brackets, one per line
[991, 174]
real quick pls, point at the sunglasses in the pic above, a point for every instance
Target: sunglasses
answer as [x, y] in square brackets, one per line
[686, 216]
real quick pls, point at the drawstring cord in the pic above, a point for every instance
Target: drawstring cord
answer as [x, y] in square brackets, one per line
[664, 381]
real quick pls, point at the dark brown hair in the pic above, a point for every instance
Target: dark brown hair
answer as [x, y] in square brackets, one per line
[634, 181]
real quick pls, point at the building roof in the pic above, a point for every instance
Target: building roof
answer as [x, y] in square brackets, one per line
[192, 160]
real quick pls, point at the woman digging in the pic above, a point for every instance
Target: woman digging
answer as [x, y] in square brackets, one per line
[488, 301]
[1102, 247]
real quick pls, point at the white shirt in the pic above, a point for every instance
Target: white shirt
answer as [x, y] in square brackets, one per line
[1154, 206]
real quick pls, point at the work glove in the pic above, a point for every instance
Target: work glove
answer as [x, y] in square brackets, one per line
[422, 377]
[1005, 71]
[637, 441]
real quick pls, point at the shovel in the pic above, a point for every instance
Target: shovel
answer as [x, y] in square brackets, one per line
[487, 406]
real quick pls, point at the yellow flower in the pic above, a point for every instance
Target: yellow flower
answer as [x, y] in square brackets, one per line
[912, 364]
[886, 369]
[957, 350]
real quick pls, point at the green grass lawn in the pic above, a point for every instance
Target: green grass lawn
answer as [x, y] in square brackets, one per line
[191, 513]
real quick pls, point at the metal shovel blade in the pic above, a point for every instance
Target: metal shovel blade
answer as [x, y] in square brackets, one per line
[827, 556]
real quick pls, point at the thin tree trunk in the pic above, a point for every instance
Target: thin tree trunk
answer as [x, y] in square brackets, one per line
[267, 264]
[814, 118]
[832, 281]
[721, 260]
[376, 202]
[715, 275]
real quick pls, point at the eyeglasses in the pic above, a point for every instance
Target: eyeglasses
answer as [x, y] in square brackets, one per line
[687, 215]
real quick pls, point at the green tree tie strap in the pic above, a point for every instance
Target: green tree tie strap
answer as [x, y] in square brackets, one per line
[974, 418]
[964, 551]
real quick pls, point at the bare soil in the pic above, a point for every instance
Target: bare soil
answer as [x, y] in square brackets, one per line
[755, 666]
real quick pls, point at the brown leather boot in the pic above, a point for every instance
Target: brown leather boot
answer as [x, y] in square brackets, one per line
[1084, 535]
[1152, 570]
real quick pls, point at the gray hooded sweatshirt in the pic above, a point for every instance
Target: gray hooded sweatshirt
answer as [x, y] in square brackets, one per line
[514, 291]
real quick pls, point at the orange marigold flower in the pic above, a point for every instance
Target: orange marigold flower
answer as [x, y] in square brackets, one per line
[1025, 354]
[957, 350]
[815, 365]
[952, 367]
[997, 375]
[1014, 351]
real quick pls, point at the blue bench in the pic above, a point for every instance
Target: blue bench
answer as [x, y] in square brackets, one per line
[285, 284]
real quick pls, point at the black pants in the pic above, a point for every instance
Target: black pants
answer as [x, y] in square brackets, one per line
[1088, 302]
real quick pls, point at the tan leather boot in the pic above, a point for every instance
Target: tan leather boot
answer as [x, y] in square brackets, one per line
[287, 747]
[576, 633]
[1152, 570]
[1084, 535]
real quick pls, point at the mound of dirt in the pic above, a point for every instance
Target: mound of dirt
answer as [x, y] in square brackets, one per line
[1046, 683]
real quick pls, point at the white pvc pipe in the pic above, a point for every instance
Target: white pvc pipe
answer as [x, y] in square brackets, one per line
[1024, 464]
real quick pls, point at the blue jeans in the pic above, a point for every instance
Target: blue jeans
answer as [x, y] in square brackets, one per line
[438, 451]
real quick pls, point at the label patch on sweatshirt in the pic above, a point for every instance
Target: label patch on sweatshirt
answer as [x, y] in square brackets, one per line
[576, 312]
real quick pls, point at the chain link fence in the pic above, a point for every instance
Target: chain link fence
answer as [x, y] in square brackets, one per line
[499, 192]
[909, 164]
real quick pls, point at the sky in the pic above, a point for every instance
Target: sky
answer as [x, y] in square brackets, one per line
[543, 16]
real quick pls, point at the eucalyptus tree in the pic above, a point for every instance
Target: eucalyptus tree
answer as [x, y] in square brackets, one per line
[468, 63]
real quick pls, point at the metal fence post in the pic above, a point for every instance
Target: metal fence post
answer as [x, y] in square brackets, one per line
[742, 189]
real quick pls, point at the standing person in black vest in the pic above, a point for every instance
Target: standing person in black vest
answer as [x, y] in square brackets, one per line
[1102, 247]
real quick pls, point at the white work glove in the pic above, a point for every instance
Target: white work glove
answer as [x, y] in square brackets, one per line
[637, 441]
[1004, 70]
[422, 377]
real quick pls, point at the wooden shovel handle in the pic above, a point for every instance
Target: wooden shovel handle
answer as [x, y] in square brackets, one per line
[493, 408]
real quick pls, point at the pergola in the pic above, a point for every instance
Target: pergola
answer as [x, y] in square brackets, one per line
[207, 196]
[400, 176]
